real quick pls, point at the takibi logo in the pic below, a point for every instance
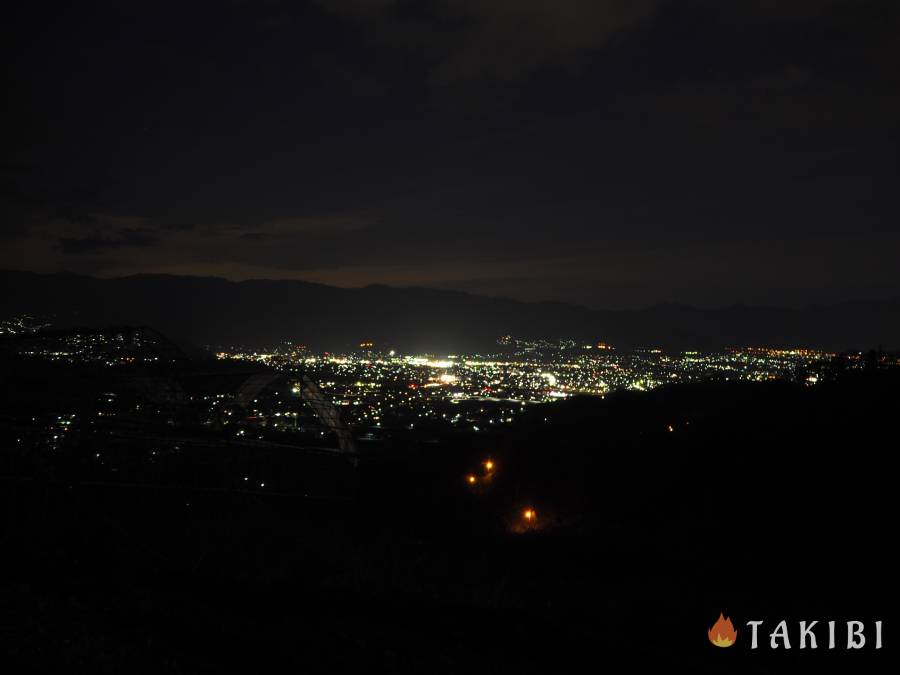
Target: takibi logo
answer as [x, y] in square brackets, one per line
[722, 632]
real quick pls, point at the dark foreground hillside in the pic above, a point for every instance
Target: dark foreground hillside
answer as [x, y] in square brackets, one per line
[654, 512]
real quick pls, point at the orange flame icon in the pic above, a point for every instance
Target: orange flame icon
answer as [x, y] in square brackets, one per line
[722, 632]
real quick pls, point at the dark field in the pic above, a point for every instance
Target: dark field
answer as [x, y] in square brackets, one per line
[766, 502]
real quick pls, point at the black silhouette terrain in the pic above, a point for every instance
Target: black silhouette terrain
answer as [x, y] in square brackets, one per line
[422, 320]
[764, 501]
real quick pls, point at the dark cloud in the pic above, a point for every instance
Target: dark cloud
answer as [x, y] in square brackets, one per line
[546, 149]
[461, 42]
[177, 227]
[94, 243]
[71, 215]
[255, 236]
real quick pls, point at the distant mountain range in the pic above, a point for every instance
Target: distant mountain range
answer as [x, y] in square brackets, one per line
[206, 310]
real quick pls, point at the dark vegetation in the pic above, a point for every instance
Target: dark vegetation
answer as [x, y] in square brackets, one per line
[769, 501]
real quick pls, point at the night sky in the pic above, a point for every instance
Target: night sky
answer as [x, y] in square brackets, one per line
[614, 153]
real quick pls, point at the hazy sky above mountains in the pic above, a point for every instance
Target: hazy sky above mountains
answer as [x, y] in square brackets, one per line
[610, 152]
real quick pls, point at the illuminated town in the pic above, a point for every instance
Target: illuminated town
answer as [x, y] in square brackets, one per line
[374, 388]
[376, 392]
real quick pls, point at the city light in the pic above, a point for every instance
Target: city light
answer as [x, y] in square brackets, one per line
[484, 391]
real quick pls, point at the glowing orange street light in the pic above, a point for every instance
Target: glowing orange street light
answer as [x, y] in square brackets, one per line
[471, 479]
[489, 465]
[530, 515]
